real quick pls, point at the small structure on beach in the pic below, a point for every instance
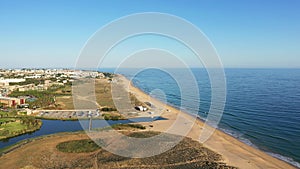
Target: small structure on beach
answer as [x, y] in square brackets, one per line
[141, 108]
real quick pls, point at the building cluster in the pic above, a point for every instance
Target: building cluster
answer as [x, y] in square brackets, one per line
[36, 79]
[13, 102]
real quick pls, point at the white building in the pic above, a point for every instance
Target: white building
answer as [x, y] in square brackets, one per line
[7, 81]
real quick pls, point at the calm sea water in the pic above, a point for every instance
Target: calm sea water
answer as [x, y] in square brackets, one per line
[262, 106]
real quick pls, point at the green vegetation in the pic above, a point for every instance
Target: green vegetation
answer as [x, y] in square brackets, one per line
[63, 119]
[64, 99]
[108, 75]
[124, 127]
[143, 134]
[35, 81]
[78, 146]
[6, 120]
[30, 81]
[3, 114]
[21, 143]
[127, 126]
[2, 105]
[22, 113]
[10, 127]
[65, 90]
[44, 98]
[108, 109]
[187, 153]
[9, 113]
[112, 117]
[87, 145]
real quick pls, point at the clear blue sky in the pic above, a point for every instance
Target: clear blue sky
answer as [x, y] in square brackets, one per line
[252, 33]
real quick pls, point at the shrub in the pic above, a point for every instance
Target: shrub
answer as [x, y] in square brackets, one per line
[78, 146]
[108, 109]
[126, 126]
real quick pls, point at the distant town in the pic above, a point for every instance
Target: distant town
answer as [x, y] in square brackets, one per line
[27, 95]
[22, 80]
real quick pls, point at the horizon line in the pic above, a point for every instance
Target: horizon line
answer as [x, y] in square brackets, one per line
[153, 67]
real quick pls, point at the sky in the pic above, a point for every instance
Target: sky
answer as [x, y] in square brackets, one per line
[245, 34]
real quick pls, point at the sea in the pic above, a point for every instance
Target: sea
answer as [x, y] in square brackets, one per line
[262, 107]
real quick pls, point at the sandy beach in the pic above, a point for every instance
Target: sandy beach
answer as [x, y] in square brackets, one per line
[233, 151]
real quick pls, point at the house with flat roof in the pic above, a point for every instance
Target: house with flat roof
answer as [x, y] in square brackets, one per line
[11, 101]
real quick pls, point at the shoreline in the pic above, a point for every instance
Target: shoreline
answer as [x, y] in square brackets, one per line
[233, 151]
[22, 143]
[27, 131]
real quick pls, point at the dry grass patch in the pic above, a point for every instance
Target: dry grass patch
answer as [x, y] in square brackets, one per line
[80, 152]
[65, 103]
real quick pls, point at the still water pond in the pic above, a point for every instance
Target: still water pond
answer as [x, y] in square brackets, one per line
[57, 126]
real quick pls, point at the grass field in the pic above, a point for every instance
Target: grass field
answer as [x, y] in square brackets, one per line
[6, 120]
[10, 127]
[64, 103]
[3, 114]
[103, 93]
[65, 90]
[103, 97]
[14, 127]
